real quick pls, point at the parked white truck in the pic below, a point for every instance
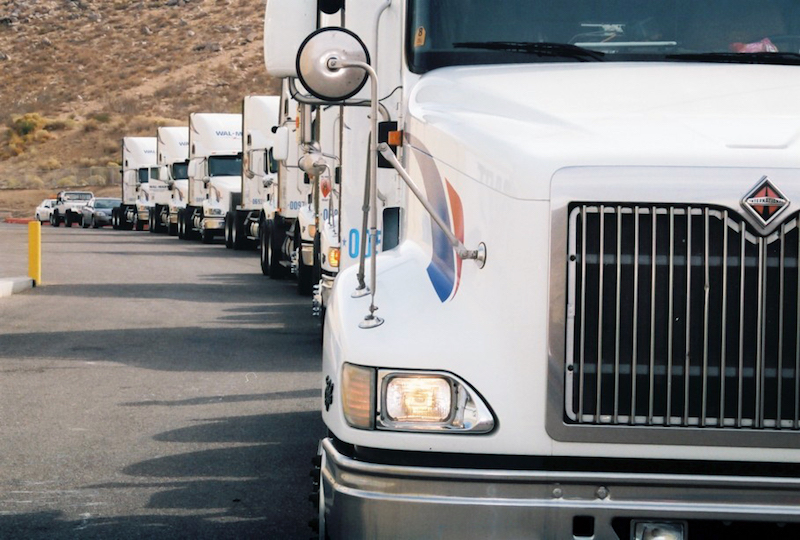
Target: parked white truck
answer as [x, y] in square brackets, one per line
[139, 167]
[215, 168]
[589, 328]
[260, 115]
[173, 161]
[285, 198]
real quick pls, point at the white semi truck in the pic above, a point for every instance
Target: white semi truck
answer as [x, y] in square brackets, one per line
[139, 168]
[285, 198]
[260, 115]
[589, 328]
[215, 168]
[173, 160]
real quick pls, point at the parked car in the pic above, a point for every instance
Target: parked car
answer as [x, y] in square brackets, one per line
[97, 211]
[67, 209]
[44, 210]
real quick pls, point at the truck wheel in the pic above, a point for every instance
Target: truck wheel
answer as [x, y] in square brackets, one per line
[181, 226]
[304, 285]
[317, 498]
[151, 223]
[172, 228]
[263, 245]
[238, 238]
[54, 220]
[208, 236]
[276, 269]
[228, 231]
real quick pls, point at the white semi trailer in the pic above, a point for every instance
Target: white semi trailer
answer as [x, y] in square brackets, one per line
[215, 168]
[173, 160]
[139, 168]
[260, 115]
[589, 328]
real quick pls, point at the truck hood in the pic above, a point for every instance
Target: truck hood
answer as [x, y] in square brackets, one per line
[512, 127]
[226, 184]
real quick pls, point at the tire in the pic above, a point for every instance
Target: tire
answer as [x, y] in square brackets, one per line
[151, 222]
[276, 269]
[229, 219]
[263, 247]
[207, 236]
[237, 231]
[67, 220]
[54, 221]
[305, 286]
[138, 224]
[94, 223]
[84, 224]
[172, 228]
[114, 219]
[181, 226]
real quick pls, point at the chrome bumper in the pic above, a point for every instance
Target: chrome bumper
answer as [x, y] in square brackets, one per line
[307, 252]
[213, 223]
[367, 500]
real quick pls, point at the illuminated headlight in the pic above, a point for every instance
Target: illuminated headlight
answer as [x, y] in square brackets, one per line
[312, 231]
[650, 530]
[214, 211]
[412, 401]
[333, 257]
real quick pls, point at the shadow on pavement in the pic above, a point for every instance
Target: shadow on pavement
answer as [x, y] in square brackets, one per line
[220, 493]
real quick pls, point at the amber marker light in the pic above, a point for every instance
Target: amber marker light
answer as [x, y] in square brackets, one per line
[358, 396]
[333, 257]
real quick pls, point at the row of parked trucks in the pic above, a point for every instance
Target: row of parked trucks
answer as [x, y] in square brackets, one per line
[577, 221]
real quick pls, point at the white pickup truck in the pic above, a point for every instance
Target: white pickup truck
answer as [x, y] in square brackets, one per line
[68, 206]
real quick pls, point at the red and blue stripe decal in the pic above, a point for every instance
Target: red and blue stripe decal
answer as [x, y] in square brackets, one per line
[444, 271]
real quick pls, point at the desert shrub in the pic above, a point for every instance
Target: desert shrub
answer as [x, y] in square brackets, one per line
[96, 180]
[102, 117]
[34, 182]
[51, 164]
[27, 124]
[58, 125]
[67, 181]
[90, 126]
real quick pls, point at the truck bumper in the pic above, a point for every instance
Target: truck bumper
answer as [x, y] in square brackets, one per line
[367, 500]
[213, 223]
[307, 252]
[143, 215]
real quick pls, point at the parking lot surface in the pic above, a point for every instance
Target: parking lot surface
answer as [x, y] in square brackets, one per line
[154, 388]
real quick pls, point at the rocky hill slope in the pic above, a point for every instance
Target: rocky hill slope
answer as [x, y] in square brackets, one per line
[77, 75]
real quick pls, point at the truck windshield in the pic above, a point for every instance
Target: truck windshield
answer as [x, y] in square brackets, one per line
[144, 175]
[180, 171]
[77, 196]
[225, 165]
[470, 32]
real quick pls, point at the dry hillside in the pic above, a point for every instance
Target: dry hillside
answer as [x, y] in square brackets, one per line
[77, 75]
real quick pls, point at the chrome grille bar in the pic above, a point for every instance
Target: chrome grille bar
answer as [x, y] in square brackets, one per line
[642, 278]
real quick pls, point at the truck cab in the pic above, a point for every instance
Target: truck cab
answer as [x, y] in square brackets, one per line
[260, 115]
[139, 167]
[214, 171]
[173, 162]
[589, 325]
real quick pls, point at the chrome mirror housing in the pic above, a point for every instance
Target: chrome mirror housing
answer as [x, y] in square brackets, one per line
[320, 59]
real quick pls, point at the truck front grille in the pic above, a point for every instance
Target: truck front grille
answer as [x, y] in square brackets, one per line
[681, 316]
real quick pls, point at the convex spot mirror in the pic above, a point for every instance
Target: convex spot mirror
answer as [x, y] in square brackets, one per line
[314, 71]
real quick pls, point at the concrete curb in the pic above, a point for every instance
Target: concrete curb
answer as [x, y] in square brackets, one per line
[9, 286]
[18, 221]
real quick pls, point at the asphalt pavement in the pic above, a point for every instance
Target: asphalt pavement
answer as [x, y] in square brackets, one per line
[154, 388]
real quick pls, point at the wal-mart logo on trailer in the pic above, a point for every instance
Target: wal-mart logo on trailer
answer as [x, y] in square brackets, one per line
[444, 271]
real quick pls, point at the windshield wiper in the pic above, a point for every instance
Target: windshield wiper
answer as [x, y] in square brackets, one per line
[539, 48]
[738, 58]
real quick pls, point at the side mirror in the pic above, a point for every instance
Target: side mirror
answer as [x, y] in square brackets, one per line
[319, 56]
[192, 170]
[280, 148]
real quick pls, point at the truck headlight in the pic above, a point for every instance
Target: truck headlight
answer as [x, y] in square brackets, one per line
[395, 400]
[333, 257]
[417, 399]
[312, 231]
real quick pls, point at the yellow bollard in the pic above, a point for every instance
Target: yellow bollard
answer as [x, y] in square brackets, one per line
[35, 252]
